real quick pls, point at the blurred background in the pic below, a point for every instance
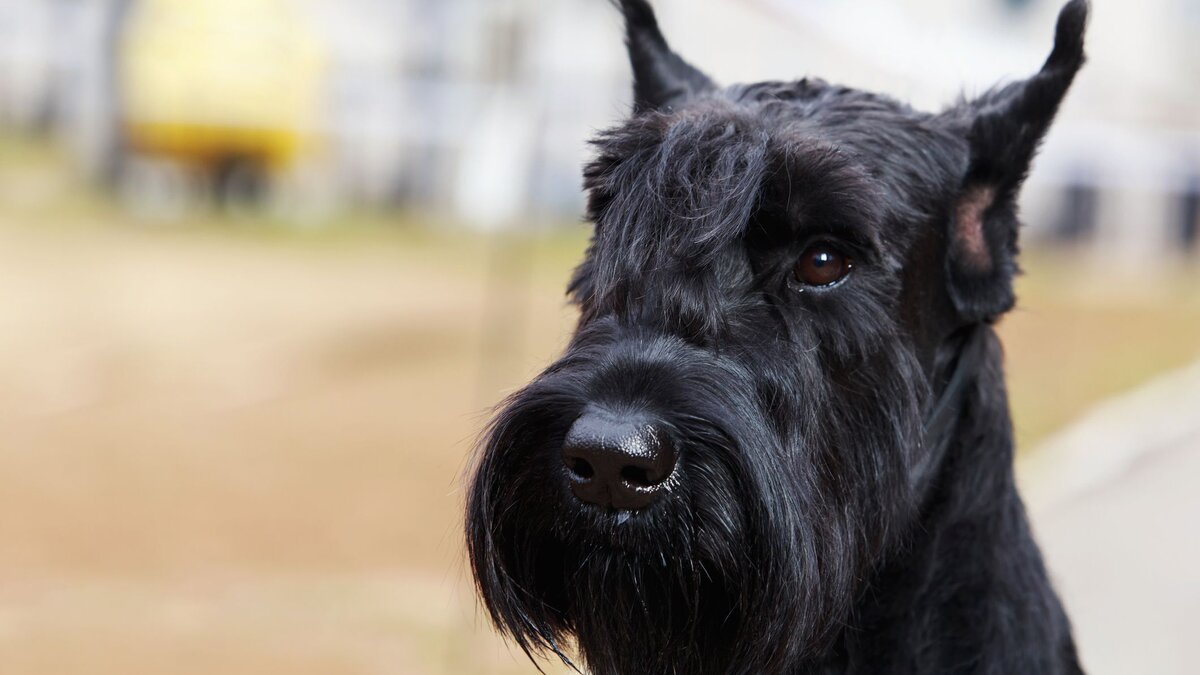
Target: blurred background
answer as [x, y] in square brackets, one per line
[265, 265]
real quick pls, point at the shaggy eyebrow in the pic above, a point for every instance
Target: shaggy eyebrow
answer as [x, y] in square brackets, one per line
[815, 191]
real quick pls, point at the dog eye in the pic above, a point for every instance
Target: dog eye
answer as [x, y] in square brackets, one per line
[822, 265]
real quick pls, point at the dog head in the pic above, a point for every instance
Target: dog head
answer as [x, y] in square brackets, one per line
[779, 280]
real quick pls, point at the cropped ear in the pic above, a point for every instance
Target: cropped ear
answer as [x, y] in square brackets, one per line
[661, 79]
[1003, 129]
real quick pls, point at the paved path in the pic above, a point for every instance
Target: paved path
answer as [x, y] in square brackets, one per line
[1121, 533]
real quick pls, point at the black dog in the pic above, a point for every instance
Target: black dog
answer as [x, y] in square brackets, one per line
[779, 441]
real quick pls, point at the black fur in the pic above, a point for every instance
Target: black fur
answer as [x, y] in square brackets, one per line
[845, 501]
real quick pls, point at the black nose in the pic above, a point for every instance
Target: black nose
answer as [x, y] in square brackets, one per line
[622, 462]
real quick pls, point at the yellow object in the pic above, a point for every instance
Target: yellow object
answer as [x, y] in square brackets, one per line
[210, 80]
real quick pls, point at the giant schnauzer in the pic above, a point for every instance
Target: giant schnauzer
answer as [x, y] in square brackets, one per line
[779, 439]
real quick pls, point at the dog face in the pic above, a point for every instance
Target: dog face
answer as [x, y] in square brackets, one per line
[736, 433]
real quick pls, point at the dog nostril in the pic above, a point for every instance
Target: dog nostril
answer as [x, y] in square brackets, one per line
[580, 467]
[638, 477]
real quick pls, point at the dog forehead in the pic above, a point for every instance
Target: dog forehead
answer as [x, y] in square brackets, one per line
[855, 120]
[885, 136]
[709, 164]
[814, 96]
[909, 164]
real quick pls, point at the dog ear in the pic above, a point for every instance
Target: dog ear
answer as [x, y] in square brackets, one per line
[661, 78]
[1003, 129]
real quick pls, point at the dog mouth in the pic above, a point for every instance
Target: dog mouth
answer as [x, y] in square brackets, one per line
[623, 530]
[592, 527]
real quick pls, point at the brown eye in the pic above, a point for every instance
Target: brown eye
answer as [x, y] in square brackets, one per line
[822, 265]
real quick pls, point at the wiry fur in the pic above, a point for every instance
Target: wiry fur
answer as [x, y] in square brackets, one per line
[844, 501]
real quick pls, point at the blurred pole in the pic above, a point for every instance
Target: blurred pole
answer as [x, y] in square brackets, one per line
[433, 97]
[1189, 216]
[112, 150]
[1076, 223]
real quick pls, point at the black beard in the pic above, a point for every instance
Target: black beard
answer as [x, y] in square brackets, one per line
[744, 568]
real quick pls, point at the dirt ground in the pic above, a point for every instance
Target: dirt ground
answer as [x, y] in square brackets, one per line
[240, 456]
[234, 452]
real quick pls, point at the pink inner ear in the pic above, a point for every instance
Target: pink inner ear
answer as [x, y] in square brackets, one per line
[969, 239]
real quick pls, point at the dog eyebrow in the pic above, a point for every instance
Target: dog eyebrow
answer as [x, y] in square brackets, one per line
[816, 188]
[688, 183]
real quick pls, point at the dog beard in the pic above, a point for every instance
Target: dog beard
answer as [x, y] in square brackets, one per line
[749, 564]
[669, 589]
